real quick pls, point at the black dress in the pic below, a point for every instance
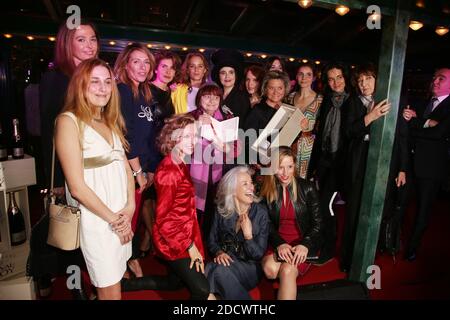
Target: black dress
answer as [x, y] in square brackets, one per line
[45, 260]
[259, 116]
[52, 92]
[239, 104]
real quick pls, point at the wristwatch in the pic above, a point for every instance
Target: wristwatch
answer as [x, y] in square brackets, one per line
[135, 173]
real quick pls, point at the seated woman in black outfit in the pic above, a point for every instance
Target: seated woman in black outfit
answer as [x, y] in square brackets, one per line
[238, 238]
[295, 231]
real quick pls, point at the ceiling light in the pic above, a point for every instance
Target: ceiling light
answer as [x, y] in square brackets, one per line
[441, 30]
[8, 36]
[184, 49]
[317, 62]
[167, 47]
[305, 60]
[51, 39]
[30, 37]
[291, 59]
[113, 43]
[249, 54]
[263, 56]
[149, 45]
[342, 10]
[201, 50]
[415, 25]
[420, 4]
[305, 3]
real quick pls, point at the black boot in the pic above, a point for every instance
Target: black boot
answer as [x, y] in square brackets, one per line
[45, 286]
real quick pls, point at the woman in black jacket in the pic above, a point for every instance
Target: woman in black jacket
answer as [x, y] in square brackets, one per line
[296, 222]
[238, 238]
[361, 112]
[328, 155]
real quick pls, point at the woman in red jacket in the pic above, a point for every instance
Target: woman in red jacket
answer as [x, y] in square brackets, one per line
[176, 233]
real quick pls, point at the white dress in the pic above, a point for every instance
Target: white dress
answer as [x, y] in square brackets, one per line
[104, 172]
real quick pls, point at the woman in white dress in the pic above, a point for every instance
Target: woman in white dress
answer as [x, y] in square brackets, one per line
[90, 145]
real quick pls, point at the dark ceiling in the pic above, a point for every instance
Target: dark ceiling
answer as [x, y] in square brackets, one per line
[257, 26]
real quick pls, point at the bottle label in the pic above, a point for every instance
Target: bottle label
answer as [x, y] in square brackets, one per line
[17, 152]
[18, 237]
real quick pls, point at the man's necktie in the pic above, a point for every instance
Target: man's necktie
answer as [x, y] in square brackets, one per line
[429, 107]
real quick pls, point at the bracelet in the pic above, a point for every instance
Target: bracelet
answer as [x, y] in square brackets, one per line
[135, 173]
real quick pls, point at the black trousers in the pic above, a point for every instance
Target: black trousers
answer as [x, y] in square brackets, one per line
[328, 185]
[179, 275]
[426, 192]
[196, 282]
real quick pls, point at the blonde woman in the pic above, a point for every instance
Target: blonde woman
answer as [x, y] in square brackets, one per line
[91, 148]
[296, 223]
[134, 69]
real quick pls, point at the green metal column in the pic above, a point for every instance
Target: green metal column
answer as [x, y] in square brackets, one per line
[389, 81]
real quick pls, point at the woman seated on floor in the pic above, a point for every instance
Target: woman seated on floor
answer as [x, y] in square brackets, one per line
[295, 224]
[238, 237]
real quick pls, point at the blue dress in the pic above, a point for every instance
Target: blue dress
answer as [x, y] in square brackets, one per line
[245, 272]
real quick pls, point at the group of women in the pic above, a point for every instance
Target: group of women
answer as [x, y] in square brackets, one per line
[137, 125]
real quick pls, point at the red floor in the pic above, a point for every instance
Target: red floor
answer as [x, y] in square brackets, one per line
[426, 278]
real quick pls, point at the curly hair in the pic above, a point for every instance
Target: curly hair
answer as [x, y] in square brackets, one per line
[171, 132]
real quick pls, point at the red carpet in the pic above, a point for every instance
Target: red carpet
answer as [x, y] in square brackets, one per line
[426, 278]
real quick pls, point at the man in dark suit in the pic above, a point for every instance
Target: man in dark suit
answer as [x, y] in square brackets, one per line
[430, 133]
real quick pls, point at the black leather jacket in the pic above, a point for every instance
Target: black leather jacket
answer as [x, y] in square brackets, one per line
[307, 213]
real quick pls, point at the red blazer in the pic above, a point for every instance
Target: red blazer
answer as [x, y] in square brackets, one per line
[176, 225]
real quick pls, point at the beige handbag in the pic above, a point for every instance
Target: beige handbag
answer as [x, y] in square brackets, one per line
[64, 220]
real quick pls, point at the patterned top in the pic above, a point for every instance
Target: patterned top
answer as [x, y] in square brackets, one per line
[303, 145]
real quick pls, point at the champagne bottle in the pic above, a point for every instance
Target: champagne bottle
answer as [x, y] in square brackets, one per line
[17, 144]
[3, 147]
[16, 222]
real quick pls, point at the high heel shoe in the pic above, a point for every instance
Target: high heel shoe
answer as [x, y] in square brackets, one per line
[134, 268]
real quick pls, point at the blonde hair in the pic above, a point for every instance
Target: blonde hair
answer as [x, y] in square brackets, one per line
[269, 188]
[78, 103]
[122, 74]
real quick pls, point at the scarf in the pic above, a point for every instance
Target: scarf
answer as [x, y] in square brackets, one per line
[367, 101]
[200, 171]
[332, 128]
